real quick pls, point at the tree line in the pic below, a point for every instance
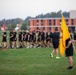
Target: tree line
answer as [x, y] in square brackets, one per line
[11, 23]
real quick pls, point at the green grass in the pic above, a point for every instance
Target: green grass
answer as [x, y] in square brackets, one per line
[34, 61]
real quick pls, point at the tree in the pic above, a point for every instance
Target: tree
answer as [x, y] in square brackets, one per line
[24, 26]
[53, 14]
[27, 19]
[11, 26]
[59, 14]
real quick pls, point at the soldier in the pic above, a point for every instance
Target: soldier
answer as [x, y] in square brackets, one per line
[4, 40]
[55, 41]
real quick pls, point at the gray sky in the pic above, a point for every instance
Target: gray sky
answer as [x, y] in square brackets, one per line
[23, 8]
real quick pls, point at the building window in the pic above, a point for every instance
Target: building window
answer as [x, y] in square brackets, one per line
[49, 22]
[60, 20]
[43, 28]
[37, 21]
[37, 28]
[54, 22]
[72, 22]
[49, 28]
[41, 20]
[66, 21]
[42, 23]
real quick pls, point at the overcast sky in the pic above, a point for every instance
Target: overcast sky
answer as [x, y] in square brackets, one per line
[23, 8]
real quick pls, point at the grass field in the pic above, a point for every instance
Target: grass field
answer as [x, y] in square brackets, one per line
[34, 61]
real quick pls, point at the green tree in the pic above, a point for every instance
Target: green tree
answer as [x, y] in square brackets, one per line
[53, 14]
[11, 26]
[24, 26]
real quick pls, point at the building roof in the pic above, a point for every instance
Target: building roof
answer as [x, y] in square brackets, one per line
[48, 18]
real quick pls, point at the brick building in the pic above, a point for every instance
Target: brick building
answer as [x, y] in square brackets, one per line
[48, 24]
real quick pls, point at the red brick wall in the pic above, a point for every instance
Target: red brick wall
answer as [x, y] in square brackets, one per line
[33, 22]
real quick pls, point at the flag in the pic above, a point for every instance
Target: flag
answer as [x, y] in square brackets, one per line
[65, 35]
